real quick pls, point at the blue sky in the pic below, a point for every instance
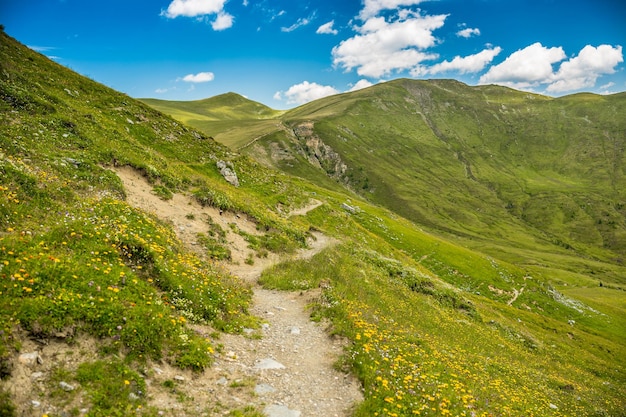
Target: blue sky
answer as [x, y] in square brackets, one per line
[284, 52]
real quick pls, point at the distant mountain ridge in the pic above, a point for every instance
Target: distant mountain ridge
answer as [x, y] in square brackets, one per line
[222, 107]
[485, 163]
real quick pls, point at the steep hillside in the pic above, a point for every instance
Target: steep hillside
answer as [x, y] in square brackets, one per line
[502, 157]
[496, 169]
[485, 164]
[432, 322]
[77, 263]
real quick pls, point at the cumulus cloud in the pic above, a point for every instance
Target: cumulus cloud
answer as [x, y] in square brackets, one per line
[300, 22]
[526, 67]
[327, 28]
[468, 32]
[305, 92]
[201, 77]
[361, 84]
[468, 64]
[222, 21]
[193, 8]
[200, 8]
[381, 47]
[371, 8]
[583, 70]
[533, 67]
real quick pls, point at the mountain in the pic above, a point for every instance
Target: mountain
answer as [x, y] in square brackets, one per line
[500, 170]
[472, 263]
[228, 113]
[229, 106]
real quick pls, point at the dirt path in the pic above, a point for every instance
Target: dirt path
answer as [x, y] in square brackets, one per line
[286, 368]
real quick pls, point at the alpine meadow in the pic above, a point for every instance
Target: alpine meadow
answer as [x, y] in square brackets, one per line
[473, 265]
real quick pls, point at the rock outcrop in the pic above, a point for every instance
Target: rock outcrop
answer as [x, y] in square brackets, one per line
[319, 153]
[227, 169]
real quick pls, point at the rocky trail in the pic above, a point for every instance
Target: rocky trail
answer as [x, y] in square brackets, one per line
[284, 369]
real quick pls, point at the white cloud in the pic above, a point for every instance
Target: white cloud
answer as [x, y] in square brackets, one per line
[468, 64]
[193, 8]
[300, 22]
[41, 49]
[201, 8]
[607, 86]
[382, 47]
[525, 68]
[468, 32]
[584, 70]
[371, 8]
[327, 28]
[305, 92]
[222, 21]
[201, 77]
[361, 84]
[161, 90]
[533, 67]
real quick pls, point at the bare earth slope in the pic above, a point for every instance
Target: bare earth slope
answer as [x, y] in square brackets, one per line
[286, 368]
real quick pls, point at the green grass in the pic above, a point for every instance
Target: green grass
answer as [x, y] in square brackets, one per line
[215, 242]
[458, 294]
[422, 347]
[515, 170]
[112, 387]
[111, 271]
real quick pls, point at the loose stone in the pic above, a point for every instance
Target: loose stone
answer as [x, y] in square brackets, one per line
[66, 387]
[269, 363]
[280, 411]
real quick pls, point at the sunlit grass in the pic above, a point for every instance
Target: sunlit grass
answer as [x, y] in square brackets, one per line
[422, 348]
[111, 271]
[477, 312]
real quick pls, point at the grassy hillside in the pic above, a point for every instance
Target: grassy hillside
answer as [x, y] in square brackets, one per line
[439, 318]
[229, 106]
[75, 258]
[499, 170]
[504, 159]
[225, 116]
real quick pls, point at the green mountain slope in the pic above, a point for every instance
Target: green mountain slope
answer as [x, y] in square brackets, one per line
[487, 164]
[439, 318]
[504, 171]
[223, 107]
[77, 261]
[224, 115]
